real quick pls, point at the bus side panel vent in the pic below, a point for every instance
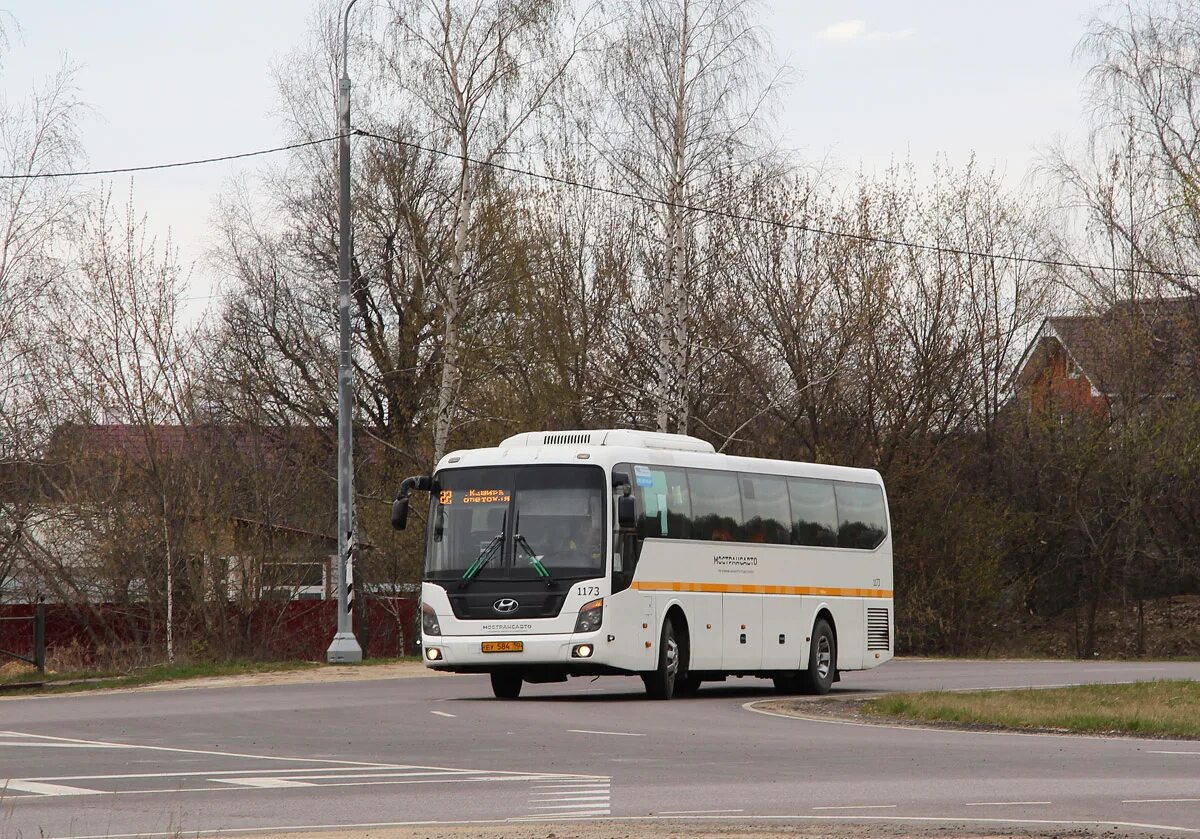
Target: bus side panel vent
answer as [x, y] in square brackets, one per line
[878, 635]
[566, 439]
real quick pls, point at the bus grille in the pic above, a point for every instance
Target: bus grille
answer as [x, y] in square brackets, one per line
[878, 636]
[566, 439]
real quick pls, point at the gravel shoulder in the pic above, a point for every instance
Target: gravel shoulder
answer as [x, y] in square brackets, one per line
[311, 676]
[308, 676]
[683, 830]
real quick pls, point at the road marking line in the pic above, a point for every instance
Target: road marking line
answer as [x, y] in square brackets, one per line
[1159, 800]
[694, 812]
[234, 787]
[258, 771]
[1003, 803]
[443, 714]
[576, 791]
[860, 807]
[110, 745]
[562, 817]
[1152, 752]
[615, 733]
[24, 745]
[263, 783]
[22, 785]
[376, 775]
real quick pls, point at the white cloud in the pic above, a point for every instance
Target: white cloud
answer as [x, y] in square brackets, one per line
[856, 30]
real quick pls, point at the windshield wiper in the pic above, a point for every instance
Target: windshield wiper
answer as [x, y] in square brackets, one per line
[534, 560]
[485, 556]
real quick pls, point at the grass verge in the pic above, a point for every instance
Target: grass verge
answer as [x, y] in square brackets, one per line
[1156, 709]
[69, 682]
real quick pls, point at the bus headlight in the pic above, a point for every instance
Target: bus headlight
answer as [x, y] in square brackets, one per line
[429, 621]
[591, 615]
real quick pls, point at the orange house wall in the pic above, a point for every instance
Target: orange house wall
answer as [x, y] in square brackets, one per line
[1053, 390]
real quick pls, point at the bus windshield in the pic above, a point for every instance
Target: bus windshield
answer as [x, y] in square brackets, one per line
[549, 516]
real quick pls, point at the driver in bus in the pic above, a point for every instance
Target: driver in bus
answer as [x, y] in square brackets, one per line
[567, 537]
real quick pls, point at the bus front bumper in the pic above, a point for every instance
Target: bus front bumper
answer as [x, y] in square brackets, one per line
[572, 652]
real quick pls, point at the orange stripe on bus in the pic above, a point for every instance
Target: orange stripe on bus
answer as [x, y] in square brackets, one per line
[734, 588]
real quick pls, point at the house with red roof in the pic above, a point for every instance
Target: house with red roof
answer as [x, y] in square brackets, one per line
[1132, 351]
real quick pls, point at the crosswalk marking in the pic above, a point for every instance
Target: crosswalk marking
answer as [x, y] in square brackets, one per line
[551, 794]
[324, 776]
[570, 798]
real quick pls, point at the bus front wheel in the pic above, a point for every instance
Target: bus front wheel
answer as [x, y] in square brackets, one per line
[660, 683]
[822, 660]
[506, 685]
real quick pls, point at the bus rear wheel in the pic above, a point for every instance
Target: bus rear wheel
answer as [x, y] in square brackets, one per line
[822, 660]
[660, 683]
[506, 685]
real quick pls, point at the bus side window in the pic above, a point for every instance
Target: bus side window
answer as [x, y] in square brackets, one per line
[862, 522]
[814, 513]
[664, 505]
[716, 506]
[765, 506]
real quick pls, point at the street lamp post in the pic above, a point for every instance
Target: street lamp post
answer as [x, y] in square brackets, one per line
[344, 647]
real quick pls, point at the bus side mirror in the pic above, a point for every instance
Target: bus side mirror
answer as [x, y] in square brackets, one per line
[400, 513]
[626, 512]
[421, 483]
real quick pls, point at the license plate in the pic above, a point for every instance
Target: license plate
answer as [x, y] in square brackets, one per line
[503, 646]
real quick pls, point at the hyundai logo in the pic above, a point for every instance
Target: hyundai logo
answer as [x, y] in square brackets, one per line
[506, 605]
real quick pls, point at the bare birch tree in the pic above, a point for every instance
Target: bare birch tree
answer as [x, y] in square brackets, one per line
[122, 355]
[685, 96]
[476, 72]
[37, 137]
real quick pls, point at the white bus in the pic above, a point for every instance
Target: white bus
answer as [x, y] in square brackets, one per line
[585, 553]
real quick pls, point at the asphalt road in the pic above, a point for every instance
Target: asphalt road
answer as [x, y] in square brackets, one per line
[442, 749]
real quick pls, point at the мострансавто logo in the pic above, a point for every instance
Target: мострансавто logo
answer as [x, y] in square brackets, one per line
[735, 560]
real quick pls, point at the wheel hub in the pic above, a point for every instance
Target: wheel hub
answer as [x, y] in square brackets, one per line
[824, 657]
[672, 656]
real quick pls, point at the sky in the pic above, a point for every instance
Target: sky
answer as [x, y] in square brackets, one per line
[872, 82]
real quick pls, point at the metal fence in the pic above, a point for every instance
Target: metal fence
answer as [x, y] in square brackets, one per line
[38, 619]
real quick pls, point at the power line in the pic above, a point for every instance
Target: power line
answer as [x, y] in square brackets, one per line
[29, 176]
[632, 196]
[804, 228]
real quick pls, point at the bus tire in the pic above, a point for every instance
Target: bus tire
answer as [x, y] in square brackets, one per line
[506, 684]
[660, 682]
[822, 660]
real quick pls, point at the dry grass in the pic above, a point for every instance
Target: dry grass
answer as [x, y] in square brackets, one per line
[12, 669]
[1159, 709]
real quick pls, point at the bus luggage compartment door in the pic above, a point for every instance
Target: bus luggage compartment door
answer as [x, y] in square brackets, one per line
[742, 620]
